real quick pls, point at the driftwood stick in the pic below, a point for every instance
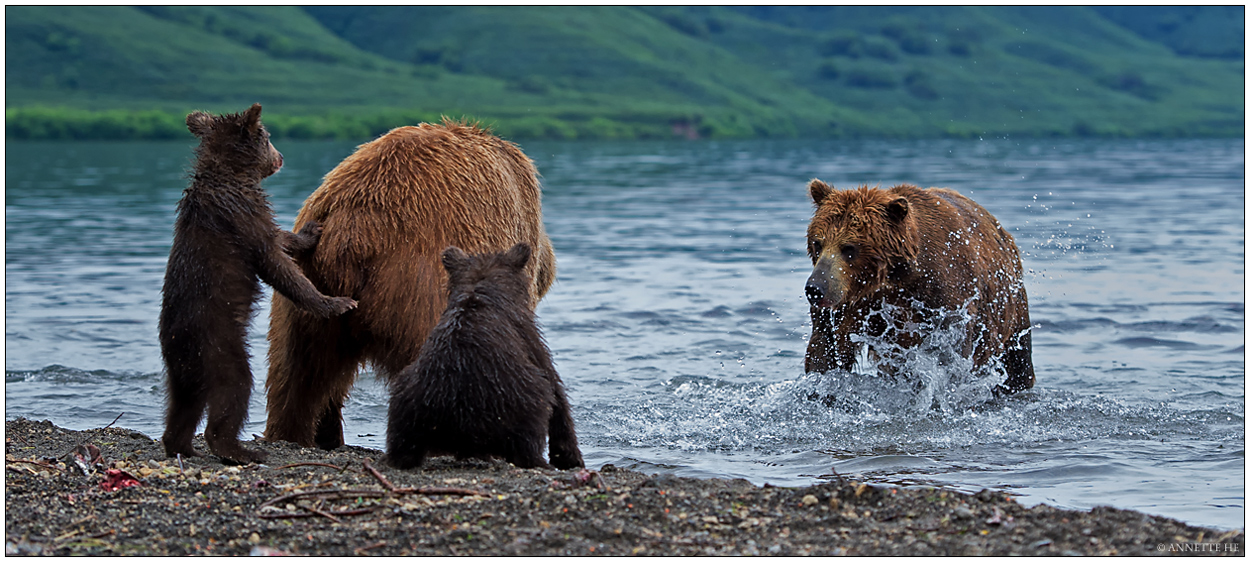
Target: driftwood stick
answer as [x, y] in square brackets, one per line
[357, 494]
[343, 513]
[373, 471]
[424, 490]
[436, 491]
[364, 549]
[295, 464]
[323, 514]
[326, 494]
[36, 463]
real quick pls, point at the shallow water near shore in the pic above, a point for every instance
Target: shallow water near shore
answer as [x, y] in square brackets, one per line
[678, 320]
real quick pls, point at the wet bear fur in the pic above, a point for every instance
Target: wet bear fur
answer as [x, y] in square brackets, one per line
[225, 242]
[389, 210]
[873, 247]
[483, 385]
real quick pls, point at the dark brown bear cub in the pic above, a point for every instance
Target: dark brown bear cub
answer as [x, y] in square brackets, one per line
[483, 384]
[225, 243]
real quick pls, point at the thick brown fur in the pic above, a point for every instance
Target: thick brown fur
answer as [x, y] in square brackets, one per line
[388, 212]
[484, 384]
[874, 247]
[225, 243]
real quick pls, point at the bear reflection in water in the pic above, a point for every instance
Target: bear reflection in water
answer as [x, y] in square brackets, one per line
[893, 266]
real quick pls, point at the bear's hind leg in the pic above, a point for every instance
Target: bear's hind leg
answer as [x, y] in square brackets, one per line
[312, 365]
[562, 439]
[526, 452]
[413, 457]
[1018, 362]
[330, 426]
[187, 398]
[228, 394]
[406, 447]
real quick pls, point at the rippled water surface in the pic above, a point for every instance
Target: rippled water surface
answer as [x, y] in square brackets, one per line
[678, 320]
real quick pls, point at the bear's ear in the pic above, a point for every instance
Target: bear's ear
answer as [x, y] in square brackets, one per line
[454, 259]
[251, 118]
[518, 256]
[897, 209]
[819, 190]
[199, 123]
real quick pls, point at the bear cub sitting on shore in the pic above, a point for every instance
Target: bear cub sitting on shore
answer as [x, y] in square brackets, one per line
[484, 384]
[225, 243]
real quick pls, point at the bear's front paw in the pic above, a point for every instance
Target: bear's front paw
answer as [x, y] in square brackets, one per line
[339, 305]
[311, 228]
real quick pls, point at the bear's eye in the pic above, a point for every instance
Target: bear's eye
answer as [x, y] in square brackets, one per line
[849, 252]
[817, 246]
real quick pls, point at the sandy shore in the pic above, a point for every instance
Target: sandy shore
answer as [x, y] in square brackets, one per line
[126, 498]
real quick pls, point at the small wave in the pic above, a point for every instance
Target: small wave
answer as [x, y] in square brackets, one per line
[891, 464]
[759, 309]
[60, 374]
[591, 326]
[1197, 324]
[1100, 469]
[1138, 342]
[1078, 324]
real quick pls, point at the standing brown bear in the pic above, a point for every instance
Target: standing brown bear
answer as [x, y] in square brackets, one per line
[388, 212]
[225, 243]
[484, 384]
[904, 246]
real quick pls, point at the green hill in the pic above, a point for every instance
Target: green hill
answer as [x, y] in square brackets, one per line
[628, 72]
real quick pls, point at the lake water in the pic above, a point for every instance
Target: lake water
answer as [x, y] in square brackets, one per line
[678, 320]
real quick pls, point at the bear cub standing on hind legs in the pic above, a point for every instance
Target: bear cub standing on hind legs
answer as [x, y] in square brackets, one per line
[225, 238]
[483, 384]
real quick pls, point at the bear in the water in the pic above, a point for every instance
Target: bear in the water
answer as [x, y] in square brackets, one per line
[225, 243]
[906, 246]
[484, 384]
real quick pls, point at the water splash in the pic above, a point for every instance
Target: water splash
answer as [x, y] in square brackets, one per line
[937, 373]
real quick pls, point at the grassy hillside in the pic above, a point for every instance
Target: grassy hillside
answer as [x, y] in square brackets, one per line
[626, 72]
[961, 71]
[1204, 31]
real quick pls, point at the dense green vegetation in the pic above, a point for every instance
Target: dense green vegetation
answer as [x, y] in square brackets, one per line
[630, 72]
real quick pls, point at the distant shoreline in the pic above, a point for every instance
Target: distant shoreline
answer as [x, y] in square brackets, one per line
[309, 501]
[59, 123]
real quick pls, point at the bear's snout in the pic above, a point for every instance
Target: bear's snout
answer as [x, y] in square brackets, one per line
[814, 292]
[822, 289]
[275, 159]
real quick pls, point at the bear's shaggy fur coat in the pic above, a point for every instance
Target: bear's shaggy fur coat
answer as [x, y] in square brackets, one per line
[225, 243]
[388, 211]
[905, 246]
[484, 384]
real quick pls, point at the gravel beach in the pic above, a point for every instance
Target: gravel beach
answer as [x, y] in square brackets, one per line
[111, 491]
